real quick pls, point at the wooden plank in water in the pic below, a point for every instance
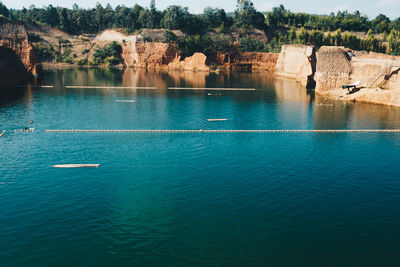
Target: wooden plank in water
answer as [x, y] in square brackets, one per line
[211, 89]
[126, 101]
[107, 87]
[35, 86]
[217, 119]
[77, 166]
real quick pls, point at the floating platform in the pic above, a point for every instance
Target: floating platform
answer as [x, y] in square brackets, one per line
[211, 89]
[35, 86]
[126, 101]
[108, 87]
[77, 166]
[217, 119]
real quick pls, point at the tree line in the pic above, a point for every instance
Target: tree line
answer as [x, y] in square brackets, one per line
[281, 25]
[343, 20]
[78, 20]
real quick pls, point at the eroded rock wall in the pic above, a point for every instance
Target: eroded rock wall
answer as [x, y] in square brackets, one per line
[153, 55]
[197, 62]
[333, 68]
[337, 66]
[378, 75]
[247, 61]
[12, 70]
[13, 35]
[297, 62]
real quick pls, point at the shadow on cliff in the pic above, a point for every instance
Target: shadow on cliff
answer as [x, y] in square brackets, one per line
[12, 72]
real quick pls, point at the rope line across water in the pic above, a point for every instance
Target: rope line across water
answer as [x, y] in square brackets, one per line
[233, 131]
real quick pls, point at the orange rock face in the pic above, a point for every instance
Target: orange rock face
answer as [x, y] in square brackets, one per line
[153, 55]
[14, 36]
[248, 61]
[197, 62]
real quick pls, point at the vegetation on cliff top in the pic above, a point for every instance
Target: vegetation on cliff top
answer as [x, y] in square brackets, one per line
[380, 34]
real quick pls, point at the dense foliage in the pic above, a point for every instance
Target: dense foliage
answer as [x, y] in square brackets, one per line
[282, 26]
[109, 55]
[344, 20]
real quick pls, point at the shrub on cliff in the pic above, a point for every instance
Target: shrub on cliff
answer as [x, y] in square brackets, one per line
[198, 43]
[253, 45]
[45, 53]
[82, 61]
[168, 37]
[109, 55]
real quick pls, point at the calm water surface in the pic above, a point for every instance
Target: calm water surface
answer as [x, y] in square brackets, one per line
[195, 199]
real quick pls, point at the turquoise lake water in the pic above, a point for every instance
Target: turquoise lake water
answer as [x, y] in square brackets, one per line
[195, 199]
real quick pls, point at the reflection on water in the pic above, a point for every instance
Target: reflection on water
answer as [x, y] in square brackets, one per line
[293, 102]
[195, 199]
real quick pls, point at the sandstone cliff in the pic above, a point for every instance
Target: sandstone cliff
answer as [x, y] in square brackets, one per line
[12, 70]
[333, 68]
[297, 62]
[197, 62]
[14, 36]
[378, 75]
[247, 61]
[153, 55]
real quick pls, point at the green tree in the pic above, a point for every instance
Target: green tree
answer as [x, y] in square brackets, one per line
[3, 10]
[247, 16]
[176, 17]
[213, 17]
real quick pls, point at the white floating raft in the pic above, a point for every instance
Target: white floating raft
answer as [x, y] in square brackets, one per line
[35, 86]
[126, 101]
[107, 87]
[217, 119]
[212, 89]
[77, 166]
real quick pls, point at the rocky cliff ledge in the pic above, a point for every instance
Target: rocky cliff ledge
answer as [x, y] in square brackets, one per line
[251, 61]
[14, 39]
[297, 62]
[378, 75]
[152, 55]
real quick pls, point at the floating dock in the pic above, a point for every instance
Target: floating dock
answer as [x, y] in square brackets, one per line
[152, 88]
[126, 101]
[108, 87]
[68, 166]
[211, 89]
[217, 119]
[34, 86]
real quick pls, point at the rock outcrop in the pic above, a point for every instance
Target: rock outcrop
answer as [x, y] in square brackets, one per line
[378, 75]
[13, 35]
[197, 62]
[12, 70]
[297, 62]
[153, 55]
[333, 68]
[247, 61]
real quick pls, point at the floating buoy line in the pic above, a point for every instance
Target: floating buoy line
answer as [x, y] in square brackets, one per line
[231, 131]
[31, 130]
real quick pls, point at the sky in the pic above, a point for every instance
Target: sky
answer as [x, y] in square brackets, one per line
[371, 8]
